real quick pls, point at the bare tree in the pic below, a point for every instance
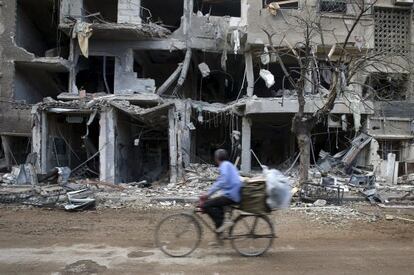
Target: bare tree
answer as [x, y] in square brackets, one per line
[346, 58]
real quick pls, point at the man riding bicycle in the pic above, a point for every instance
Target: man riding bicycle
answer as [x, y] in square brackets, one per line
[229, 185]
[178, 235]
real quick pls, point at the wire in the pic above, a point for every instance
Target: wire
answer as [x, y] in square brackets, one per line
[104, 75]
[242, 86]
[251, 150]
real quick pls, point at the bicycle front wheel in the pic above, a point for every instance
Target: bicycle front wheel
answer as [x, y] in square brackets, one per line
[252, 235]
[178, 235]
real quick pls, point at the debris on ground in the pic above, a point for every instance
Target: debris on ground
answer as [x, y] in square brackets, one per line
[80, 200]
[200, 175]
[337, 216]
[320, 202]
[391, 217]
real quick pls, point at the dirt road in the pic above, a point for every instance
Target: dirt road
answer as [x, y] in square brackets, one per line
[38, 241]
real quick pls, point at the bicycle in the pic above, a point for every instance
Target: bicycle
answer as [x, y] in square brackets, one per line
[178, 235]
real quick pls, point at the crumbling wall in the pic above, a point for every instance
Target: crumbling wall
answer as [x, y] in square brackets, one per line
[126, 80]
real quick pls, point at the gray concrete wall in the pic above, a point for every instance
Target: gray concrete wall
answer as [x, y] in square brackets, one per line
[13, 117]
[285, 24]
[129, 11]
[73, 8]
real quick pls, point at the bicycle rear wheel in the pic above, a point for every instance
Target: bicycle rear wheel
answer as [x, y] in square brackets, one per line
[178, 235]
[252, 235]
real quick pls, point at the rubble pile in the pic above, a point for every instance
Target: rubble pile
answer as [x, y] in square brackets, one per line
[200, 175]
[56, 190]
[336, 178]
[197, 179]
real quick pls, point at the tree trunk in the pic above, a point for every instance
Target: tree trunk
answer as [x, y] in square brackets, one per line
[302, 126]
[304, 150]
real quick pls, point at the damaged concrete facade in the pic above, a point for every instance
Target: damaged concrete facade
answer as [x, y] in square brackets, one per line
[131, 90]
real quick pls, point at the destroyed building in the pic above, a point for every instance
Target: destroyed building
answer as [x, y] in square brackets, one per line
[131, 90]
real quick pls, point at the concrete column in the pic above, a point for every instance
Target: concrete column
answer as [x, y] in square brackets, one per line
[249, 73]
[73, 59]
[36, 136]
[246, 156]
[129, 11]
[44, 143]
[188, 13]
[244, 12]
[186, 133]
[107, 138]
[172, 142]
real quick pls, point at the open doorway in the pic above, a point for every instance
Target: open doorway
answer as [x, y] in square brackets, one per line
[73, 141]
[214, 131]
[272, 140]
[142, 150]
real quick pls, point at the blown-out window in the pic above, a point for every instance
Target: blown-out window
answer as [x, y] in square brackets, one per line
[218, 7]
[335, 6]
[283, 4]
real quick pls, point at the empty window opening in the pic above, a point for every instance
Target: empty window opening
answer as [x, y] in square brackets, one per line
[283, 4]
[220, 85]
[72, 143]
[218, 8]
[107, 9]
[165, 13]
[142, 151]
[282, 86]
[389, 147]
[157, 65]
[96, 74]
[32, 83]
[382, 86]
[335, 6]
[325, 75]
[37, 28]
[392, 30]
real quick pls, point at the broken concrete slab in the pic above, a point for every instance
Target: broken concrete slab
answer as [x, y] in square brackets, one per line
[49, 64]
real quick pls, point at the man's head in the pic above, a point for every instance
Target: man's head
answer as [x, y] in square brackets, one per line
[220, 155]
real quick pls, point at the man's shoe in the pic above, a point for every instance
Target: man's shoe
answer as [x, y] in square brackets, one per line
[226, 225]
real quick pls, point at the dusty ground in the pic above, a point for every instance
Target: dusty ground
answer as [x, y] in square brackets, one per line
[40, 241]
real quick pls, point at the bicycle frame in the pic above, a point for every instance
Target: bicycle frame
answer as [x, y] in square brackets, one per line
[199, 217]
